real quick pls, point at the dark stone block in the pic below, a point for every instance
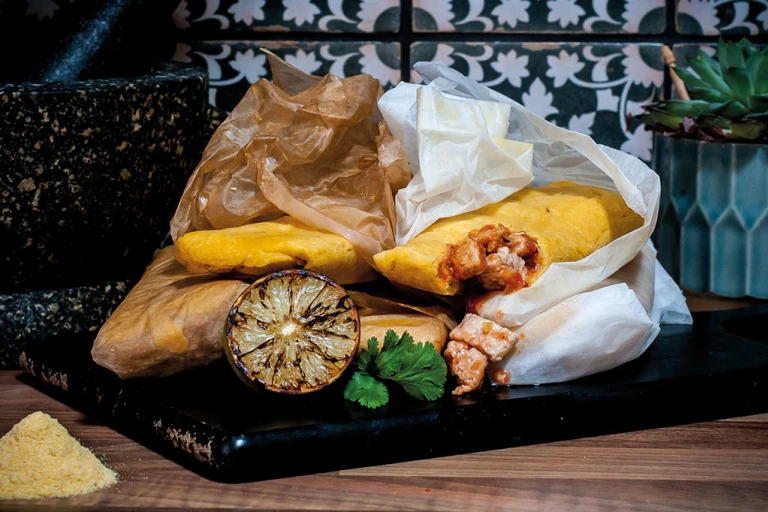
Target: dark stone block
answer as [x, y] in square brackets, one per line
[92, 173]
[27, 317]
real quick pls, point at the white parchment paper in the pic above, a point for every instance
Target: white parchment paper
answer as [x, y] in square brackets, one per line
[558, 154]
[608, 325]
[578, 318]
[459, 156]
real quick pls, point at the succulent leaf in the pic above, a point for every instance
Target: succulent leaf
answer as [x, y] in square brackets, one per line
[730, 109]
[692, 108]
[662, 118]
[708, 75]
[749, 130]
[729, 96]
[741, 84]
[730, 56]
[710, 121]
[708, 94]
[690, 79]
[709, 60]
[757, 115]
[758, 72]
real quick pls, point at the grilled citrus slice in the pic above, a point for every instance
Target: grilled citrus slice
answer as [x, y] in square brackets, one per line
[293, 332]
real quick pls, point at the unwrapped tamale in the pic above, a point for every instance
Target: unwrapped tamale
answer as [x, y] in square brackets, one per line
[509, 244]
[265, 247]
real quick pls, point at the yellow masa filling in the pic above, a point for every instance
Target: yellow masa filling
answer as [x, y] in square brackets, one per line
[567, 221]
[265, 247]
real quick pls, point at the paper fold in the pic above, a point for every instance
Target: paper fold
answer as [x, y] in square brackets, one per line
[580, 317]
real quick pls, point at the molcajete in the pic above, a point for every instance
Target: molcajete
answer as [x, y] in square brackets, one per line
[92, 172]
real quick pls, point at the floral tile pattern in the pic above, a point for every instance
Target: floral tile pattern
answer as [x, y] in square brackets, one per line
[713, 17]
[576, 16]
[589, 88]
[234, 65]
[289, 15]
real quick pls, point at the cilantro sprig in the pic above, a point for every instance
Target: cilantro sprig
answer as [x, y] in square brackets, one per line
[417, 367]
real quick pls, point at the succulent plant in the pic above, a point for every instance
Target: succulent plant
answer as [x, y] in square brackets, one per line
[729, 97]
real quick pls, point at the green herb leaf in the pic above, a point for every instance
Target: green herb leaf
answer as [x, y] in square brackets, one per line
[418, 367]
[367, 357]
[390, 340]
[366, 391]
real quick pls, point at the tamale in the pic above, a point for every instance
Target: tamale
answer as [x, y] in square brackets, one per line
[565, 222]
[264, 247]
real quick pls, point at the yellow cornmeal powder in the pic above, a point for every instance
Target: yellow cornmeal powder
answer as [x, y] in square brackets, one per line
[39, 459]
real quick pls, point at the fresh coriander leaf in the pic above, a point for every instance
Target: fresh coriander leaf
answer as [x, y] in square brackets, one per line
[366, 391]
[407, 339]
[418, 367]
[391, 355]
[390, 341]
[367, 357]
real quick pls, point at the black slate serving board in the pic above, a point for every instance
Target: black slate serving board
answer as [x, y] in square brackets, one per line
[211, 423]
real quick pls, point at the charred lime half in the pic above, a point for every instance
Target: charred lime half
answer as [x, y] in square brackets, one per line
[292, 332]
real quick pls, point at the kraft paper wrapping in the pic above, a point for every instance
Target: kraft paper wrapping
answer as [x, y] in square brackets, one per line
[314, 148]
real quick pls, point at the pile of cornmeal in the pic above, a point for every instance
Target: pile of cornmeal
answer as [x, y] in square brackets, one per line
[39, 459]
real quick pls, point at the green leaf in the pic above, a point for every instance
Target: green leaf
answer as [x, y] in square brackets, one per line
[710, 61]
[747, 47]
[710, 78]
[729, 109]
[390, 340]
[734, 58]
[758, 72]
[367, 357]
[722, 54]
[689, 78]
[757, 115]
[710, 121]
[418, 367]
[681, 108]
[656, 117]
[708, 94]
[741, 84]
[366, 391]
[749, 130]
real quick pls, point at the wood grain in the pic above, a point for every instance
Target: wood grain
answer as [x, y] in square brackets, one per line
[715, 466]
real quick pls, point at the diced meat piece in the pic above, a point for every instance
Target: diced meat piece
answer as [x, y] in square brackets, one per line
[499, 258]
[467, 259]
[499, 376]
[505, 271]
[468, 365]
[488, 337]
[491, 237]
[521, 244]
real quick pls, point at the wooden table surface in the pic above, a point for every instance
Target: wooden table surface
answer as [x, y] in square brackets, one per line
[714, 466]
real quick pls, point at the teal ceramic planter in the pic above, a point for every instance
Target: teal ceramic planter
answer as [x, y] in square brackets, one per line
[712, 234]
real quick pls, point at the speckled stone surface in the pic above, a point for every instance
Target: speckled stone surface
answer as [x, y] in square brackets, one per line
[33, 316]
[92, 172]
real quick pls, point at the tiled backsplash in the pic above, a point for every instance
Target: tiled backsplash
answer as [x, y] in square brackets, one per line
[582, 64]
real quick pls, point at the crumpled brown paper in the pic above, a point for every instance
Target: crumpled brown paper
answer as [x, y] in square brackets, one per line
[314, 148]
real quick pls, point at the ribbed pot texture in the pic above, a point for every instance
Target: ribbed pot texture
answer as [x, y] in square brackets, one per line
[712, 234]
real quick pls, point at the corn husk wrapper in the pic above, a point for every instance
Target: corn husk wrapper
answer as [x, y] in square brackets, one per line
[170, 321]
[313, 148]
[384, 311]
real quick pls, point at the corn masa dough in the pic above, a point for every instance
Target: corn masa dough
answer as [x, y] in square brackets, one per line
[566, 220]
[264, 247]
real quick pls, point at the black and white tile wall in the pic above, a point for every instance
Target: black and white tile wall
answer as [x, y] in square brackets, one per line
[583, 64]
